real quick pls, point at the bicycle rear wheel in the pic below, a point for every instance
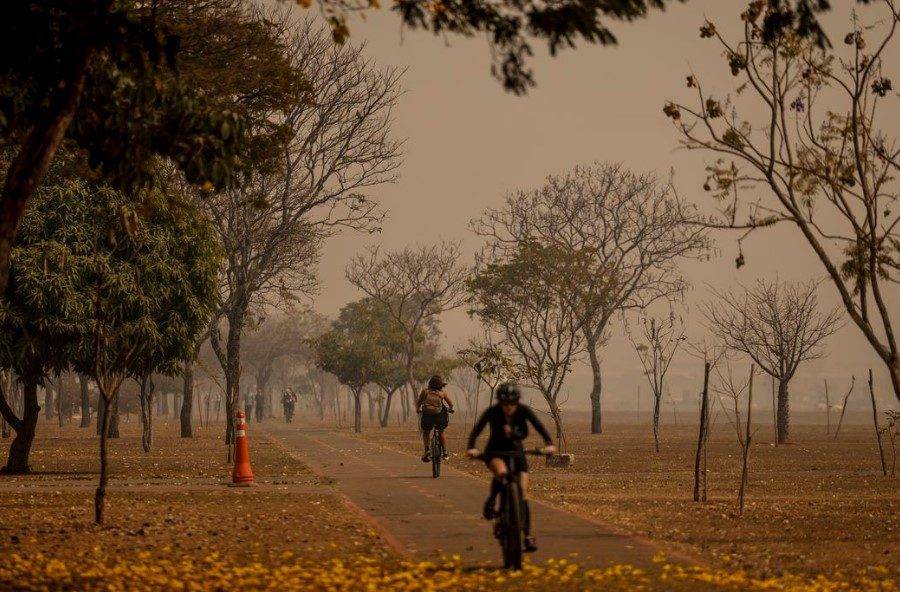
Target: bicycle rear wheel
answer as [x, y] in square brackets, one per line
[437, 452]
[511, 540]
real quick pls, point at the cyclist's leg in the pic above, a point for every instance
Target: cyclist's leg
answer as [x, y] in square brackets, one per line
[425, 425]
[498, 467]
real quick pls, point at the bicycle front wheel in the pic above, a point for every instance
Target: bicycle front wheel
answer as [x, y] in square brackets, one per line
[436, 452]
[512, 531]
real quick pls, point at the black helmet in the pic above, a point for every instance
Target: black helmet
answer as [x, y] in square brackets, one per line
[508, 392]
[436, 383]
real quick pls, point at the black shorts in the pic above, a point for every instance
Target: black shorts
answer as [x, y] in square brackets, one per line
[430, 421]
[521, 460]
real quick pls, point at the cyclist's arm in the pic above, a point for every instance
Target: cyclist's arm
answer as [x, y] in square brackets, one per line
[479, 427]
[419, 401]
[448, 401]
[534, 421]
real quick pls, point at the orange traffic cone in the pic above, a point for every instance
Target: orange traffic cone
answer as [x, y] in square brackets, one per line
[242, 474]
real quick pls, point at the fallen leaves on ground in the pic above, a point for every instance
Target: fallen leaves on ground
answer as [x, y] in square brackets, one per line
[144, 572]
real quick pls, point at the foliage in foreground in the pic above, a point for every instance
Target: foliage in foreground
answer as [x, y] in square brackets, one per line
[101, 572]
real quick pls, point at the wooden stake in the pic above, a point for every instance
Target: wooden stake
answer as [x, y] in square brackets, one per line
[884, 470]
[746, 450]
[704, 417]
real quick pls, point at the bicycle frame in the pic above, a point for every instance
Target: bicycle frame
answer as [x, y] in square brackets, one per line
[437, 451]
[510, 525]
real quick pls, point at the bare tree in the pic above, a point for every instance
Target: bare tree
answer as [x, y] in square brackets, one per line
[805, 135]
[837, 430]
[340, 146]
[516, 295]
[466, 379]
[779, 326]
[628, 227]
[890, 432]
[414, 286]
[733, 390]
[656, 346]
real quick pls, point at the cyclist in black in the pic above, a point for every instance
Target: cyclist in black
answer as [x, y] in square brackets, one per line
[509, 421]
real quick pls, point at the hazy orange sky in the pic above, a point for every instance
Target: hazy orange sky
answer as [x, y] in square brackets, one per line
[467, 142]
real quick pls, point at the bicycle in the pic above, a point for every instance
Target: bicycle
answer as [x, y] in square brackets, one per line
[437, 451]
[509, 527]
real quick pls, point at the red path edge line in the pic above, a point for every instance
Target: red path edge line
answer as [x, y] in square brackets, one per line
[380, 528]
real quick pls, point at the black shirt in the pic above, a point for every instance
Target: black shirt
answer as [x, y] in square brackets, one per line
[518, 428]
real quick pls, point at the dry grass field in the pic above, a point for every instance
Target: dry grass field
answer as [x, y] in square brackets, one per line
[818, 518]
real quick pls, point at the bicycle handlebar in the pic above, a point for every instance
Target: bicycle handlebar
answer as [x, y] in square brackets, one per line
[529, 451]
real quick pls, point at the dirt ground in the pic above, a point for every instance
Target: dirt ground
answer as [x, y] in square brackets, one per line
[814, 506]
[173, 524]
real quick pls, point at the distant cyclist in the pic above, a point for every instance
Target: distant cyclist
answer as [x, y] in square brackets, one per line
[435, 407]
[509, 420]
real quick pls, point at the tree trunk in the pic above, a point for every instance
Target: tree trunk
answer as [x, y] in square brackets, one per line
[60, 401]
[783, 414]
[371, 402]
[146, 396]
[556, 414]
[232, 374]
[187, 400]
[7, 392]
[20, 449]
[30, 165]
[106, 413]
[113, 421]
[357, 411]
[101, 410]
[596, 389]
[657, 402]
[894, 371]
[261, 399]
[85, 402]
[48, 401]
[404, 402]
[386, 412]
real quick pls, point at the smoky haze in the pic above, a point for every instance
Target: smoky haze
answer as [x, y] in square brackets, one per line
[468, 142]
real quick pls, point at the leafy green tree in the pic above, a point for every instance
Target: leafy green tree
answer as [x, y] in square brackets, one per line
[350, 353]
[126, 82]
[128, 288]
[389, 370]
[39, 318]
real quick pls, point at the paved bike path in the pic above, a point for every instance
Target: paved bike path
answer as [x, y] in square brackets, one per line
[427, 517]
